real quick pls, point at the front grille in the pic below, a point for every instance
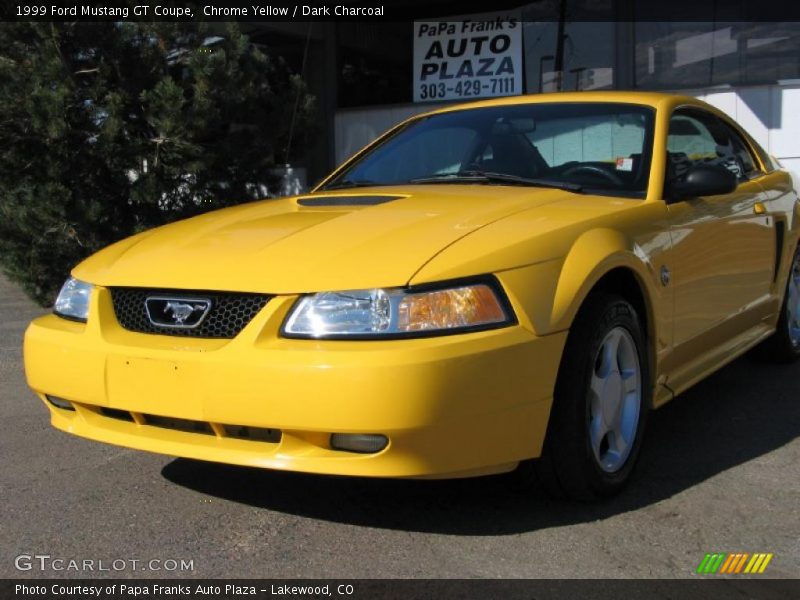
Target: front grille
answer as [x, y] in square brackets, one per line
[240, 432]
[114, 413]
[230, 312]
[255, 434]
[179, 424]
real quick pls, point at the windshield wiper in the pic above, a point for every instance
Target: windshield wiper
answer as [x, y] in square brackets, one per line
[490, 177]
[351, 183]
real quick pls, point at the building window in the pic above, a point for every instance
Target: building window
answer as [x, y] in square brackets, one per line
[587, 56]
[374, 63]
[695, 55]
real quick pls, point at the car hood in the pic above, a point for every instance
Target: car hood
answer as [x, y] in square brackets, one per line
[368, 237]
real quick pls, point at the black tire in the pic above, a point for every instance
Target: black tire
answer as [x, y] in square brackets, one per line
[779, 348]
[567, 467]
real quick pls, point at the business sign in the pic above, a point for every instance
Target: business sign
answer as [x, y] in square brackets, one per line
[476, 56]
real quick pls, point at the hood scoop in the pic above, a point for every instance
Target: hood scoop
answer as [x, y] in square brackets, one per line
[345, 200]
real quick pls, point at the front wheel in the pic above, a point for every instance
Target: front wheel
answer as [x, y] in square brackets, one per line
[600, 404]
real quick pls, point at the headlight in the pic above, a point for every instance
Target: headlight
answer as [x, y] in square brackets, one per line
[398, 312]
[73, 300]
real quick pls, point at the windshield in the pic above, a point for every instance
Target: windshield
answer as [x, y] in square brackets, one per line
[602, 147]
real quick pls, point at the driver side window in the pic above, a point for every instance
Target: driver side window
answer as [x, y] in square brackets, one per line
[699, 137]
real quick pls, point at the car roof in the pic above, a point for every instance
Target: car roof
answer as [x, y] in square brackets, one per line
[653, 99]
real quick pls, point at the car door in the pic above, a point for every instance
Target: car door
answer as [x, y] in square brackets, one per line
[723, 246]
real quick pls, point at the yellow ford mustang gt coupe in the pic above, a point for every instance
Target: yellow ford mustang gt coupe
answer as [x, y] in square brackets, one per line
[507, 283]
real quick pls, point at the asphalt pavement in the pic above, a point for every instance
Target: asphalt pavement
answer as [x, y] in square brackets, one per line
[720, 472]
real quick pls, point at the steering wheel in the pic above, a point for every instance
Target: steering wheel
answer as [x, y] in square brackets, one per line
[594, 170]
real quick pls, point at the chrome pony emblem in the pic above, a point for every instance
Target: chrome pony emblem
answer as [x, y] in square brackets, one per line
[179, 313]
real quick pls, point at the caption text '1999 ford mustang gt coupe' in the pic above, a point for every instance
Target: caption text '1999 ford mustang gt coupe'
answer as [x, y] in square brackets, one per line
[484, 285]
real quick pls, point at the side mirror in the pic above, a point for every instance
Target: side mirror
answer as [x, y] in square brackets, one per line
[702, 180]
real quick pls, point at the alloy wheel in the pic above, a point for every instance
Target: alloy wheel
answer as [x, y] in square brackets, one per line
[615, 395]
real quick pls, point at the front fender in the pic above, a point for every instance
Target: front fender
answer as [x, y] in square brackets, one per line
[547, 295]
[549, 259]
[594, 254]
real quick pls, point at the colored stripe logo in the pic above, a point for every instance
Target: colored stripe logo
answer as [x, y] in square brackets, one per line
[732, 563]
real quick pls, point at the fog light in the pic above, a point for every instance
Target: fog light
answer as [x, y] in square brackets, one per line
[359, 442]
[59, 402]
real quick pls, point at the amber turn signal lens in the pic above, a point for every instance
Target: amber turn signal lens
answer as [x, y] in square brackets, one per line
[459, 307]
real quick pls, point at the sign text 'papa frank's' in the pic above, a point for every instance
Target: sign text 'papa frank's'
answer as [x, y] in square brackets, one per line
[475, 56]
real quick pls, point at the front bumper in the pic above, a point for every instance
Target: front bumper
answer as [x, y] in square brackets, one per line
[450, 406]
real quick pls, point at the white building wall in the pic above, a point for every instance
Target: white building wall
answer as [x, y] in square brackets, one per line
[771, 114]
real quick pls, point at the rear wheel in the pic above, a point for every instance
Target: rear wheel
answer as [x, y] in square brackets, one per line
[600, 404]
[784, 345]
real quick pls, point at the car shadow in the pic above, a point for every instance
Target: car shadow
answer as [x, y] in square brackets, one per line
[740, 413]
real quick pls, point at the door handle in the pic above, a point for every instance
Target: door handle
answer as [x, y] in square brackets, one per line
[759, 208]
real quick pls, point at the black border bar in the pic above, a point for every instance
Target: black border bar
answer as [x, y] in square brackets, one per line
[396, 10]
[703, 587]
